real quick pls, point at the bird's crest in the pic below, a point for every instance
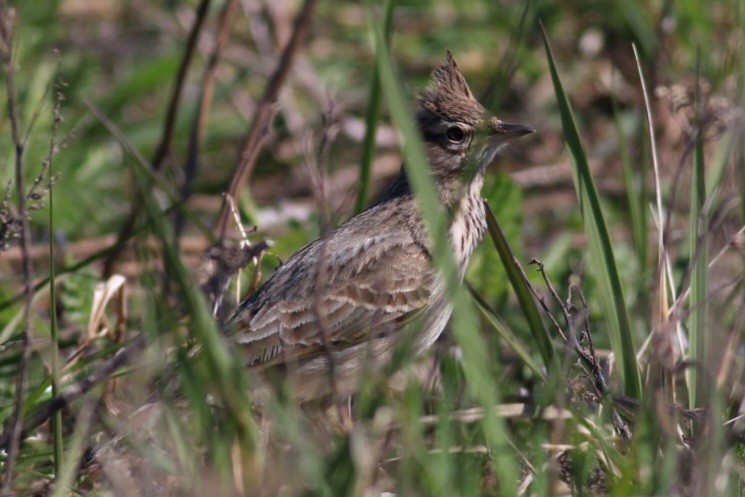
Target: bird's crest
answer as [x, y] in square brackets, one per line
[448, 95]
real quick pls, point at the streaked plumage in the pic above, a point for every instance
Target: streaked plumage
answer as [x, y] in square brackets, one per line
[356, 288]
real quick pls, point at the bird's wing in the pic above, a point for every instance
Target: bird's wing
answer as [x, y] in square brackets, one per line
[344, 289]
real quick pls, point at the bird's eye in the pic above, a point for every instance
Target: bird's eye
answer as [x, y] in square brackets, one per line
[455, 134]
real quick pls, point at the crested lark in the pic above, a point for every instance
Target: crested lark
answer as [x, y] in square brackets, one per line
[339, 304]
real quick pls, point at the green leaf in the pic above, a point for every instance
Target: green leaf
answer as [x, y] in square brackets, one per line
[520, 285]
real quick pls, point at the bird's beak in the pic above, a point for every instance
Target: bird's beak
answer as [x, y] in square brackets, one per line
[503, 132]
[498, 134]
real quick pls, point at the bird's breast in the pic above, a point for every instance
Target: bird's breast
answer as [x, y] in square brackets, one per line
[467, 228]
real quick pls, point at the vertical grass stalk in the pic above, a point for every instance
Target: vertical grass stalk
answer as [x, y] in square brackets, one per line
[698, 256]
[57, 441]
[464, 324]
[54, 331]
[371, 118]
[637, 212]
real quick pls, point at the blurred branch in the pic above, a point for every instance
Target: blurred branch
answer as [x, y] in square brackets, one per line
[16, 428]
[265, 111]
[205, 100]
[164, 147]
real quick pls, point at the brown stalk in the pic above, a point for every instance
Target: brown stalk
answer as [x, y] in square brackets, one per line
[164, 147]
[265, 111]
[6, 53]
[224, 24]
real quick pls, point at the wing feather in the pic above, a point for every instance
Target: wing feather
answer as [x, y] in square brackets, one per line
[372, 287]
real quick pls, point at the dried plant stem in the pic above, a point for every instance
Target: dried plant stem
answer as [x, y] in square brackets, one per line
[6, 52]
[588, 357]
[564, 309]
[265, 112]
[54, 330]
[318, 166]
[655, 159]
[208, 86]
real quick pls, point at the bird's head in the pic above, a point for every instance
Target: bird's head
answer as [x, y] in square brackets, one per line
[460, 136]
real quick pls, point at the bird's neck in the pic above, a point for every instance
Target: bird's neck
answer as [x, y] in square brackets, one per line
[450, 190]
[399, 188]
[467, 223]
[464, 207]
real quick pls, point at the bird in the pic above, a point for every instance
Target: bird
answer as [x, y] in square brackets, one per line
[342, 303]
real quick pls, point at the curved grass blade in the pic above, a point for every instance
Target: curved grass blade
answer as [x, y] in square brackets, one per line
[601, 252]
[524, 296]
[506, 333]
[464, 324]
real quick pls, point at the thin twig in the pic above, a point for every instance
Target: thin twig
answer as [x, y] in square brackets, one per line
[164, 147]
[541, 300]
[588, 358]
[564, 311]
[591, 356]
[571, 342]
[265, 111]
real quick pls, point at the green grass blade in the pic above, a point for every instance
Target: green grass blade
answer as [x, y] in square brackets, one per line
[464, 324]
[524, 296]
[371, 118]
[601, 252]
[54, 338]
[698, 261]
[57, 436]
[636, 203]
[506, 333]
